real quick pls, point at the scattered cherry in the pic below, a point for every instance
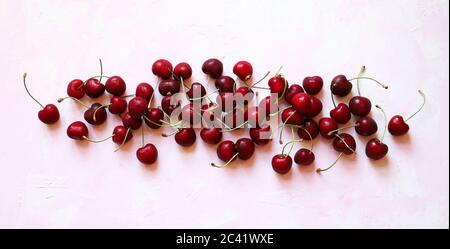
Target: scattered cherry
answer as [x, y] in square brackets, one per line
[162, 68]
[75, 89]
[130, 122]
[316, 107]
[211, 135]
[78, 131]
[117, 105]
[137, 107]
[169, 87]
[224, 84]
[344, 143]
[243, 70]
[278, 85]
[182, 71]
[169, 104]
[121, 134]
[261, 136]
[196, 92]
[301, 102]
[309, 126]
[147, 154]
[341, 86]
[281, 163]
[366, 126]
[213, 67]
[115, 85]
[375, 148]
[291, 91]
[360, 106]
[304, 157]
[245, 148]
[185, 137]
[93, 88]
[291, 116]
[96, 114]
[153, 118]
[144, 90]
[398, 126]
[313, 84]
[341, 113]
[327, 127]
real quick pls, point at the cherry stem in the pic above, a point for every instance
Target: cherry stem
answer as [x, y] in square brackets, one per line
[97, 141]
[279, 70]
[372, 79]
[26, 88]
[341, 128]
[170, 134]
[124, 140]
[142, 133]
[385, 121]
[346, 145]
[285, 88]
[101, 71]
[281, 128]
[290, 142]
[282, 110]
[310, 137]
[153, 94]
[259, 81]
[361, 72]
[235, 128]
[227, 163]
[129, 95]
[95, 112]
[337, 159]
[293, 137]
[332, 99]
[424, 99]
[75, 99]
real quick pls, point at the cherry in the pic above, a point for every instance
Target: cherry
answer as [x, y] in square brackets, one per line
[313, 84]
[261, 136]
[115, 85]
[245, 148]
[49, 113]
[213, 67]
[147, 154]
[96, 114]
[397, 126]
[366, 126]
[185, 137]
[78, 131]
[224, 84]
[243, 70]
[117, 105]
[291, 91]
[251, 114]
[153, 118]
[375, 148]
[211, 135]
[191, 112]
[182, 71]
[243, 95]
[226, 151]
[341, 86]
[269, 105]
[304, 157]
[75, 89]
[144, 90]
[169, 87]
[121, 134]
[309, 126]
[327, 127]
[94, 88]
[162, 68]
[316, 107]
[281, 163]
[130, 122]
[360, 106]
[196, 92]
[169, 104]
[301, 102]
[278, 85]
[341, 113]
[137, 107]
[291, 116]
[234, 119]
[209, 112]
[226, 101]
[344, 143]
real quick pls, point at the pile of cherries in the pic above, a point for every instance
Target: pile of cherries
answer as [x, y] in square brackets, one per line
[296, 106]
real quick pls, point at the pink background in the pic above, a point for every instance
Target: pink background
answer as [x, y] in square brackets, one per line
[48, 180]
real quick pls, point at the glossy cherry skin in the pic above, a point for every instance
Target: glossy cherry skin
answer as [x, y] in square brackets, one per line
[224, 84]
[366, 126]
[340, 86]
[245, 147]
[375, 149]
[226, 150]
[75, 89]
[269, 105]
[190, 112]
[313, 84]
[211, 135]
[147, 154]
[115, 85]
[213, 67]
[182, 71]
[243, 95]
[155, 115]
[118, 105]
[169, 87]
[291, 91]
[93, 88]
[162, 68]
[326, 125]
[120, 135]
[196, 92]
[278, 85]
[316, 107]
[185, 137]
[341, 113]
[311, 126]
[144, 90]
[77, 130]
[243, 70]
[137, 107]
[226, 101]
[295, 119]
[260, 136]
[130, 122]
[169, 104]
[304, 157]
[100, 115]
[301, 102]
[281, 163]
[397, 126]
[340, 141]
[49, 115]
[360, 106]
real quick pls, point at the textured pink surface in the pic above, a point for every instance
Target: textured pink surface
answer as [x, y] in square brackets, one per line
[48, 180]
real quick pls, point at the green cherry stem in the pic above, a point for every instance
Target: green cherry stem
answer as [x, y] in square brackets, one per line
[76, 100]
[329, 167]
[124, 140]
[260, 80]
[26, 88]
[281, 128]
[97, 141]
[360, 74]
[385, 121]
[424, 99]
[227, 163]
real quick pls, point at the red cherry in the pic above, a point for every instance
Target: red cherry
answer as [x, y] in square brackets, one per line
[245, 148]
[224, 84]
[100, 114]
[182, 71]
[49, 114]
[196, 92]
[169, 87]
[360, 106]
[153, 118]
[94, 88]
[169, 104]
[291, 116]
[375, 149]
[213, 67]
[260, 136]
[121, 135]
[269, 105]
[185, 137]
[311, 127]
[341, 113]
[313, 84]
[115, 85]
[77, 130]
[304, 157]
[251, 115]
[291, 91]
[234, 119]
[341, 86]
[397, 126]
[117, 105]
[147, 154]
[144, 90]
[137, 107]
[344, 143]
[366, 126]
[243, 95]
[130, 122]
[226, 151]
[162, 68]
[326, 127]
[316, 107]
[75, 89]
[278, 85]
[211, 135]
[209, 112]
[301, 102]
[191, 112]
[226, 101]
[243, 70]
[281, 163]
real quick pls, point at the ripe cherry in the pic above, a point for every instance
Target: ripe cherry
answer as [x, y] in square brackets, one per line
[316, 107]
[121, 134]
[137, 107]
[130, 122]
[291, 116]
[327, 127]
[281, 163]
[169, 104]
[115, 85]
[375, 148]
[304, 157]
[162, 68]
[226, 101]
[153, 118]
[49, 113]
[224, 84]
[360, 106]
[192, 113]
[243, 95]
[344, 143]
[341, 113]
[147, 154]
[78, 131]
[75, 89]
[169, 87]
[278, 85]
[341, 86]
[261, 136]
[196, 92]
[397, 126]
[313, 84]
[291, 91]
[309, 126]
[245, 148]
[94, 88]
[366, 126]
[226, 151]
[213, 67]
[144, 90]
[243, 70]
[182, 71]
[117, 105]
[269, 104]
[301, 102]
[211, 135]
[96, 114]
[185, 137]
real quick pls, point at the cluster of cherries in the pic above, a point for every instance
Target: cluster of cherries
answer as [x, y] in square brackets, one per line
[232, 110]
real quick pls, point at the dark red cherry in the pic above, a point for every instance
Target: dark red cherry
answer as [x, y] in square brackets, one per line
[243, 70]
[340, 86]
[360, 106]
[311, 126]
[147, 154]
[185, 137]
[261, 136]
[118, 105]
[375, 149]
[155, 116]
[115, 85]
[301, 102]
[144, 90]
[75, 89]
[397, 126]
[226, 150]
[245, 147]
[281, 163]
[226, 101]
[182, 71]
[213, 67]
[327, 125]
[162, 68]
[211, 135]
[169, 104]
[345, 143]
[243, 95]
[121, 135]
[196, 92]
[49, 114]
[94, 88]
[313, 84]
[224, 84]
[341, 113]
[316, 107]
[278, 85]
[292, 116]
[291, 91]
[130, 122]
[209, 112]
[169, 87]
[77, 130]
[100, 114]
[366, 126]
[304, 157]
[137, 107]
